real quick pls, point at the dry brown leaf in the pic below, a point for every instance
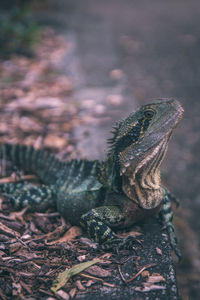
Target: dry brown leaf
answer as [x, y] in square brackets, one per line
[63, 295]
[89, 283]
[15, 247]
[73, 292]
[98, 271]
[80, 285]
[71, 234]
[145, 273]
[5, 229]
[155, 278]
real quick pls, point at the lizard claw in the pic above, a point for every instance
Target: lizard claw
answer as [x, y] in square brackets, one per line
[117, 244]
[128, 243]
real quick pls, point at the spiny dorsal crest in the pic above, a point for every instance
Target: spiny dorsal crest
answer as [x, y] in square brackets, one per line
[115, 134]
[128, 131]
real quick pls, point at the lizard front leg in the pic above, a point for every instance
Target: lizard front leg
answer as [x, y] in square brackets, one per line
[166, 216]
[98, 223]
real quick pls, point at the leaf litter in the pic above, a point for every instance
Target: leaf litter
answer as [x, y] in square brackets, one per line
[40, 250]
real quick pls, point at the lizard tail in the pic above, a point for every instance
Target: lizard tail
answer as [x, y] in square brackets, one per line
[39, 162]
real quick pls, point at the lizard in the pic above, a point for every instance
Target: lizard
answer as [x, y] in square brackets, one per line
[103, 196]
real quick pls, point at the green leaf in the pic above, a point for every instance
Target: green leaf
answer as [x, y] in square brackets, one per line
[63, 277]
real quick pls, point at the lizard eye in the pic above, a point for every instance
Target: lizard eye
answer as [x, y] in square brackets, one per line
[149, 113]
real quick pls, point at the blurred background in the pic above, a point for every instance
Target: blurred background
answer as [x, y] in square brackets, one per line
[69, 69]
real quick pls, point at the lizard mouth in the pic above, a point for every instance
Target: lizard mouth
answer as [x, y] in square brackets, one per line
[141, 182]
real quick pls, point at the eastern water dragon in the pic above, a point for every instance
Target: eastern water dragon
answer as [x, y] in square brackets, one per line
[108, 195]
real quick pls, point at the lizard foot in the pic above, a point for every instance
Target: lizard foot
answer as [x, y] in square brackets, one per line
[117, 244]
[173, 240]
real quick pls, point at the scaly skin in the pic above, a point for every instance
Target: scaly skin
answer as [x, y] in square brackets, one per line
[115, 193]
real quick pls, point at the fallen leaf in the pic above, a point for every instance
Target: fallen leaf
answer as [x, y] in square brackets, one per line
[73, 292]
[63, 295]
[15, 247]
[145, 273]
[63, 277]
[71, 234]
[155, 278]
[80, 285]
[5, 229]
[98, 271]
[89, 283]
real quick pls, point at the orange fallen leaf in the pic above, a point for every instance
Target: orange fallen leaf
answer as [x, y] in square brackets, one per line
[71, 234]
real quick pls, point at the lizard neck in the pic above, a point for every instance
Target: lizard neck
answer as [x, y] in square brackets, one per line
[144, 196]
[109, 174]
[141, 182]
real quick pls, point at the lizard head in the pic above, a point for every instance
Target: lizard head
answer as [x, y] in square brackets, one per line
[139, 145]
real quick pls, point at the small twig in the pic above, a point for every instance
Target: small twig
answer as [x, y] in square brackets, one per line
[49, 215]
[46, 292]
[139, 272]
[13, 180]
[4, 217]
[41, 237]
[96, 278]
[8, 231]
[23, 243]
[120, 273]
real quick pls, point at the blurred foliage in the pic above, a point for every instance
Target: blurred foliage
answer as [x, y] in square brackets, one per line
[18, 31]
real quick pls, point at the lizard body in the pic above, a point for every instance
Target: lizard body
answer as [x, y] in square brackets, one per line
[115, 193]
